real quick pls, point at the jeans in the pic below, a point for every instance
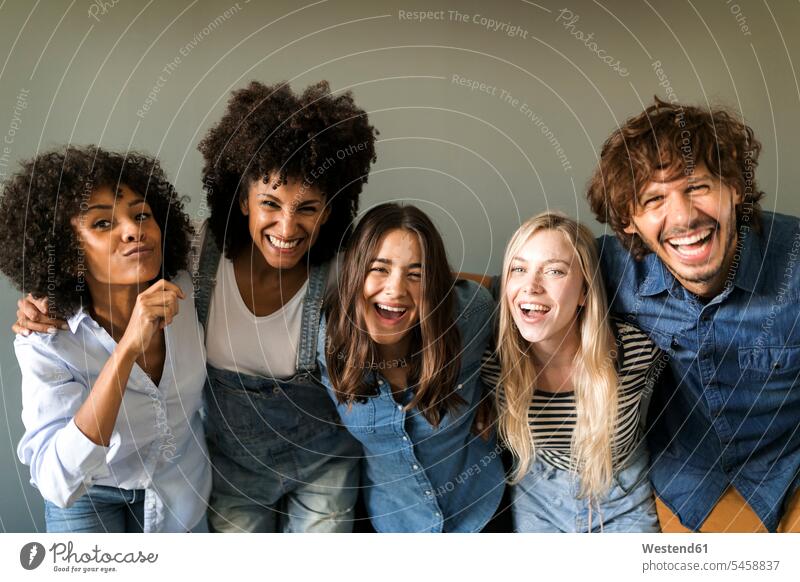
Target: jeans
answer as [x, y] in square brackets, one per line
[546, 501]
[100, 510]
[281, 459]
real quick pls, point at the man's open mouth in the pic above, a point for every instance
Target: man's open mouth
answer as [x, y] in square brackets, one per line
[694, 245]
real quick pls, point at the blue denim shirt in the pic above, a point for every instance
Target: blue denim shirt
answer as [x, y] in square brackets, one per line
[728, 414]
[418, 478]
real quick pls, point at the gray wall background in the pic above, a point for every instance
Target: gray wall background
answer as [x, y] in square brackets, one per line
[477, 161]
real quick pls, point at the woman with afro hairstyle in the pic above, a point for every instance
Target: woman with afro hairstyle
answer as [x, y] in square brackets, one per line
[113, 433]
[283, 174]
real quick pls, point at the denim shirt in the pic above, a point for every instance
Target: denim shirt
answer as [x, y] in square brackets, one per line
[418, 478]
[728, 413]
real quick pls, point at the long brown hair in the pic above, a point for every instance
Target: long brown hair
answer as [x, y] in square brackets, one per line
[435, 342]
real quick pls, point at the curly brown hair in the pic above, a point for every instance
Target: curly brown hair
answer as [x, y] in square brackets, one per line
[40, 250]
[270, 132]
[675, 138]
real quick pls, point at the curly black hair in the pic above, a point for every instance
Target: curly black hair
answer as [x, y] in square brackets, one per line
[40, 250]
[270, 133]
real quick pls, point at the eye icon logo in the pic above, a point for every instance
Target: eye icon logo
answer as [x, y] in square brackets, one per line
[31, 555]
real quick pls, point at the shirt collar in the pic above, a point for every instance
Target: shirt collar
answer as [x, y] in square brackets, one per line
[658, 277]
[750, 261]
[75, 321]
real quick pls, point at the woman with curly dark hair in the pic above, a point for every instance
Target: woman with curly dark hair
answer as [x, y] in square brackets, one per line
[113, 434]
[283, 174]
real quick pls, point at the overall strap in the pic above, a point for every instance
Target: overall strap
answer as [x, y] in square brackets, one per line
[312, 311]
[205, 278]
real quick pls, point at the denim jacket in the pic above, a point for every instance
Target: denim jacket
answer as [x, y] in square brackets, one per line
[418, 478]
[728, 413]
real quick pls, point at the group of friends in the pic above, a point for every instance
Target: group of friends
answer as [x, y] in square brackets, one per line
[283, 366]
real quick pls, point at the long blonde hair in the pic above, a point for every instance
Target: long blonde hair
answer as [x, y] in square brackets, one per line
[594, 375]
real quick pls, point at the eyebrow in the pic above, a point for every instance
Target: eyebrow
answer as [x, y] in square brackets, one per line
[110, 207]
[547, 262]
[301, 202]
[692, 179]
[389, 262]
[552, 261]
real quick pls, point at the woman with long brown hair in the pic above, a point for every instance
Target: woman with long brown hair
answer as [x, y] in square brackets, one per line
[400, 350]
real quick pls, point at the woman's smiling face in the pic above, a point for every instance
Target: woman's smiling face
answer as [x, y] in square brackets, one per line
[284, 222]
[392, 287]
[545, 287]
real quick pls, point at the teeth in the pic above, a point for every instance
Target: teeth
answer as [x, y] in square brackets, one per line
[690, 252]
[389, 308]
[534, 307]
[283, 244]
[690, 240]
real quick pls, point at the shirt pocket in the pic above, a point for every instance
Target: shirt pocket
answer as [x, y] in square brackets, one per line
[770, 363]
[359, 418]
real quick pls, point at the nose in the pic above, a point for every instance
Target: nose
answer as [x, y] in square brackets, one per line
[132, 230]
[679, 208]
[287, 223]
[395, 285]
[533, 284]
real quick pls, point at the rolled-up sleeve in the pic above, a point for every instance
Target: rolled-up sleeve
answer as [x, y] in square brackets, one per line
[63, 461]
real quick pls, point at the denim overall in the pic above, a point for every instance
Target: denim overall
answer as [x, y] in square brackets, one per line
[546, 501]
[281, 459]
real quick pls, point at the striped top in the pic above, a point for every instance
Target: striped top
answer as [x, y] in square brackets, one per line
[552, 416]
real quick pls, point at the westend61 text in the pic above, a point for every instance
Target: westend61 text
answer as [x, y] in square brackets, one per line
[675, 549]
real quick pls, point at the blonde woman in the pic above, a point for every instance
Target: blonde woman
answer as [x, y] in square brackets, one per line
[571, 384]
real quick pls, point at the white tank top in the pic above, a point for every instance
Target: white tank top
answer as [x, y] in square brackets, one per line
[239, 341]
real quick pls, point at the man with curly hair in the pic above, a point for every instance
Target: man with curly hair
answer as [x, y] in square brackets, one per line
[113, 432]
[714, 281]
[283, 174]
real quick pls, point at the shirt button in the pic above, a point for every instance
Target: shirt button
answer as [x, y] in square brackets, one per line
[380, 382]
[459, 387]
[427, 492]
[399, 407]
[405, 438]
[437, 514]
[276, 390]
[415, 467]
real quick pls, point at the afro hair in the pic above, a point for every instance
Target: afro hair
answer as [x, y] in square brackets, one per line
[40, 250]
[269, 133]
